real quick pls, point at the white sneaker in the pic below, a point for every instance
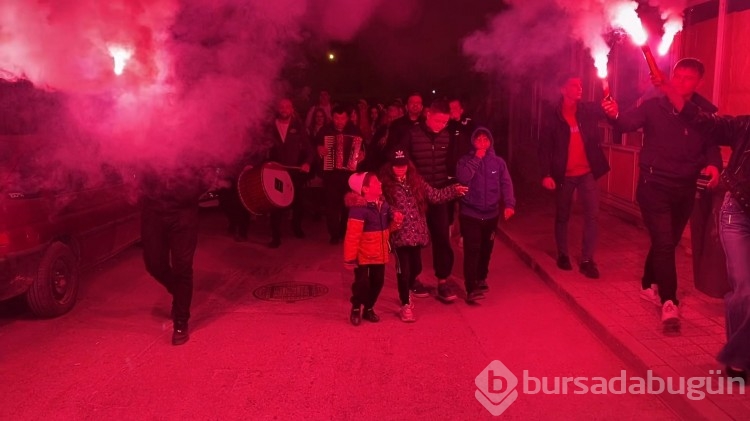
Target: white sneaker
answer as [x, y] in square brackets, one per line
[407, 313]
[670, 313]
[651, 294]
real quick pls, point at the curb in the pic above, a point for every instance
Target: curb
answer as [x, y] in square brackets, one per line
[681, 405]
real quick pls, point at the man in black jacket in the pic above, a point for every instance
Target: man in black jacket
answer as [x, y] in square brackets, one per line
[673, 155]
[427, 144]
[290, 147]
[570, 159]
[169, 233]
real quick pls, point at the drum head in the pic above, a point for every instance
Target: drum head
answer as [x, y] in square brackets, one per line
[277, 183]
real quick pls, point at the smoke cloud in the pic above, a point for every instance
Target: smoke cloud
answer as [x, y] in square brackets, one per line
[199, 84]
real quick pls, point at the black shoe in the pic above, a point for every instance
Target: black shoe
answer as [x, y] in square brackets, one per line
[482, 285]
[356, 316]
[736, 375]
[370, 316]
[419, 290]
[563, 262]
[180, 334]
[298, 233]
[445, 292]
[274, 244]
[474, 296]
[589, 270]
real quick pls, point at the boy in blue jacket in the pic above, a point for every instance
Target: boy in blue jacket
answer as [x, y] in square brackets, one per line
[490, 187]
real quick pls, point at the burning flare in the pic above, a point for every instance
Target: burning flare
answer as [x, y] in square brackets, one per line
[672, 26]
[120, 56]
[625, 17]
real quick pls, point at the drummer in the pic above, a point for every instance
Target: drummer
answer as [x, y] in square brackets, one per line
[290, 147]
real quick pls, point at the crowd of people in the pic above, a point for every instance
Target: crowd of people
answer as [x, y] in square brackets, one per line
[394, 176]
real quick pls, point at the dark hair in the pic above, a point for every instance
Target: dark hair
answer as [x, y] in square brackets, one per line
[691, 63]
[340, 109]
[564, 77]
[440, 106]
[414, 94]
[414, 181]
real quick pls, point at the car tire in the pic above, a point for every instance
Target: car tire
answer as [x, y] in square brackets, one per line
[55, 289]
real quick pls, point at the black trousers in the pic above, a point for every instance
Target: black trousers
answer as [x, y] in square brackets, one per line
[666, 211]
[368, 282]
[439, 227]
[335, 187]
[237, 215]
[169, 241]
[479, 239]
[408, 267]
[297, 210]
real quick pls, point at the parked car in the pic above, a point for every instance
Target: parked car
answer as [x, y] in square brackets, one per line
[55, 220]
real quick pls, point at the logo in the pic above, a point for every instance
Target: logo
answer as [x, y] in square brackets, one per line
[400, 154]
[496, 388]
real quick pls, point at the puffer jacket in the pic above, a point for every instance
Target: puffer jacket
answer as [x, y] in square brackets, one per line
[414, 230]
[488, 180]
[367, 231]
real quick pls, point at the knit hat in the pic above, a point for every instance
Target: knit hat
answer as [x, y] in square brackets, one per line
[356, 181]
[398, 158]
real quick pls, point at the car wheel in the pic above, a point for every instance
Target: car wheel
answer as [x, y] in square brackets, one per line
[55, 288]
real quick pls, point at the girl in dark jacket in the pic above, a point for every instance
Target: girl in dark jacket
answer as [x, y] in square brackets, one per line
[490, 190]
[407, 192]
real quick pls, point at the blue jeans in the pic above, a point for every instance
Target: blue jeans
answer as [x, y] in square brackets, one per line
[734, 231]
[588, 193]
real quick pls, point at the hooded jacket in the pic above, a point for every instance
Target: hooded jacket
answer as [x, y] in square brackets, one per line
[488, 180]
[367, 231]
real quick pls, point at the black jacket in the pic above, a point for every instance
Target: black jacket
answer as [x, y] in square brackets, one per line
[554, 140]
[429, 153]
[295, 150]
[674, 152]
[460, 131]
[727, 131]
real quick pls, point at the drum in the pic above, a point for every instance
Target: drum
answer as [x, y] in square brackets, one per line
[265, 188]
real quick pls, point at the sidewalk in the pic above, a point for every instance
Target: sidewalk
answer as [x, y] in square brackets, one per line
[612, 307]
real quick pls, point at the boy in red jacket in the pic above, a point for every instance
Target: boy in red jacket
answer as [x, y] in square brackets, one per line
[366, 245]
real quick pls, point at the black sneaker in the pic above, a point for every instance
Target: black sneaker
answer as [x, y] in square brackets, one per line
[474, 296]
[370, 316]
[482, 285]
[419, 290]
[180, 334]
[445, 292]
[356, 316]
[589, 270]
[563, 262]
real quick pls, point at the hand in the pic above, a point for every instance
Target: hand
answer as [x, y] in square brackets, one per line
[398, 217]
[480, 153]
[461, 190]
[350, 266]
[610, 108]
[321, 151]
[508, 213]
[305, 168]
[548, 183]
[712, 172]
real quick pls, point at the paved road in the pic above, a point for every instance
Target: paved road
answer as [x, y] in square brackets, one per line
[253, 359]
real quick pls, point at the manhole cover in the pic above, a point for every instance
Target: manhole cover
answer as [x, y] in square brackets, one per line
[290, 291]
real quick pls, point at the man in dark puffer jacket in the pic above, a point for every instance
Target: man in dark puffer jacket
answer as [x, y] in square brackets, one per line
[427, 144]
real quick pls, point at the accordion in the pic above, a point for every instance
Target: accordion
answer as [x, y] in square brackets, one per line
[341, 152]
